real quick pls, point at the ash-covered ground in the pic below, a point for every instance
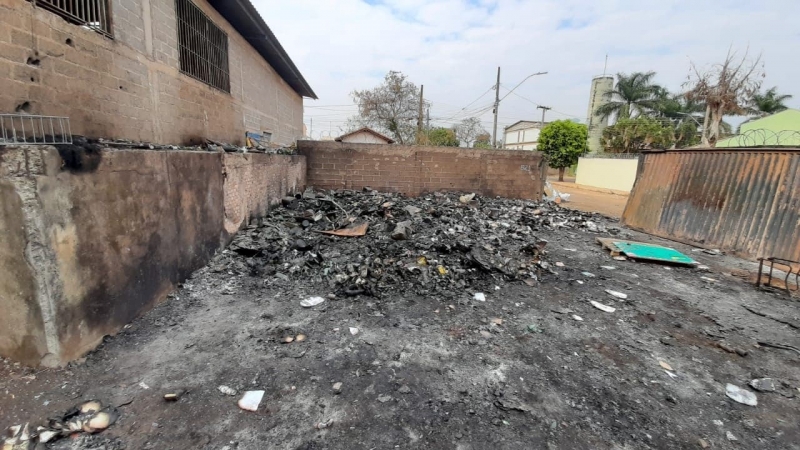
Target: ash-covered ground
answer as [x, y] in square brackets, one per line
[404, 352]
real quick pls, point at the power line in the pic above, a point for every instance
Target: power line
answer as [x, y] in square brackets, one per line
[537, 105]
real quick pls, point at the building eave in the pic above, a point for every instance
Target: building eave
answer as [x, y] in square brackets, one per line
[244, 17]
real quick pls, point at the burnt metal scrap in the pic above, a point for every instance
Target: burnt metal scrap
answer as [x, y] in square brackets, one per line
[436, 243]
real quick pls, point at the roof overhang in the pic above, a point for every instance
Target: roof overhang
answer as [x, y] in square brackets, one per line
[244, 17]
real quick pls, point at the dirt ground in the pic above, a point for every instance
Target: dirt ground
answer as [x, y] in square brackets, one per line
[432, 367]
[606, 203]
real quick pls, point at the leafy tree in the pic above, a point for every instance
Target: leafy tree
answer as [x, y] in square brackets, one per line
[687, 134]
[634, 93]
[562, 142]
[640, 133]
[483, 141]
[468, 130]
[725, 89]
[391, 108]
[770, 102]
[443, 137]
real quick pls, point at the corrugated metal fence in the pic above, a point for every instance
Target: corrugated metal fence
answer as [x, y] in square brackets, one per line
[743, 201]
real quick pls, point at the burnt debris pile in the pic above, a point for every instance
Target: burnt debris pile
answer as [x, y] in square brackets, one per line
[372, 243]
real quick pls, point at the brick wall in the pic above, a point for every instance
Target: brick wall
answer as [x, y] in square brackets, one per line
[415, 170]
[254, 182]
[131, 86]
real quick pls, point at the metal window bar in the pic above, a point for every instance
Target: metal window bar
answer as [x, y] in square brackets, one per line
[34, 130]
[203, 47]
[92, 14]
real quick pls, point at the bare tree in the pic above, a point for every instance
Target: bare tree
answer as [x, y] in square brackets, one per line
[391, 108]
[468, 130]
[725, 89]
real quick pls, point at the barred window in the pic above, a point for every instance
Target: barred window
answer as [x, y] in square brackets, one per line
[203, 47]
[92, 14]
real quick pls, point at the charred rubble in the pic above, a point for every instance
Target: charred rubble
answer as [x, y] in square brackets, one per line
[440, 243]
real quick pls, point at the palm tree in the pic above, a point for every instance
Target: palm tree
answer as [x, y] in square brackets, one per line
[634, 93]
[769, 102]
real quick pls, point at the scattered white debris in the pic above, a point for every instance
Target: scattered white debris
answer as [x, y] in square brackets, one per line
[665, 365]
[353, 331]
[577, 317]
[740, 395]
[143, 385]
[763, 384]
[708, 280]
[603, 307]
[616, 294]
[620, 258]
[497, 288]
[608, 267]
[227, 390]
[311, 302]
[730, 436]
[466, 198]
[480, 296]
[588, 274]
[251, 400]
[560, 264]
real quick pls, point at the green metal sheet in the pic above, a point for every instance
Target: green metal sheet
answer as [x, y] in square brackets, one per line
[652, 252]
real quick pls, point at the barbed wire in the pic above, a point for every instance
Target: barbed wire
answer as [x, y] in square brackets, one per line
[764, 138]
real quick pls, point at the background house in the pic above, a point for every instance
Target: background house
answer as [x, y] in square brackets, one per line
[523, 135]
[779, 129]
[365, 135]
[169, 71]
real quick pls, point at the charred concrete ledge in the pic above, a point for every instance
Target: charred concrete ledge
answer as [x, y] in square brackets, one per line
[93, 238]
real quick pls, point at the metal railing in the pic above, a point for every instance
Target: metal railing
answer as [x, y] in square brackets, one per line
[93, 14]
[30, 129]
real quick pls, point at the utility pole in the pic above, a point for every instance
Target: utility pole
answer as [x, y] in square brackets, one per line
[311, 130]
[544, 110]
[428, 122]
[420, 116]
[496, 106]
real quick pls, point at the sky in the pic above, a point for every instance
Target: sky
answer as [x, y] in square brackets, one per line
[453, 48]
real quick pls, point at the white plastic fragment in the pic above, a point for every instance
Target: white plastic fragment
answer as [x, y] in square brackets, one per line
[480, 296]
[311, 302]
[353, 331]
[577, 317]
[251, 400]
[603, 307]
[619, 295]
[740, 395]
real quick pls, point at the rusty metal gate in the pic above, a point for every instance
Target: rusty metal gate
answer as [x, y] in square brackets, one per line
[745, 201]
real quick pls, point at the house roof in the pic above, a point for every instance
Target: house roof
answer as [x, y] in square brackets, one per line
[367, 130]
[533, 123]
[242, 15]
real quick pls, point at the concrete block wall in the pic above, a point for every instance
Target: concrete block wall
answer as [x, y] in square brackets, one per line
[131, 86]
[254, 182]
[86, 251]
[414, 170]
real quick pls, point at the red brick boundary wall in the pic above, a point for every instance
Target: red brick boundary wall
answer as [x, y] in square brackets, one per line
[414, 170]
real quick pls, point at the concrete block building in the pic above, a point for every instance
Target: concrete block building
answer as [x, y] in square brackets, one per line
[166, 71]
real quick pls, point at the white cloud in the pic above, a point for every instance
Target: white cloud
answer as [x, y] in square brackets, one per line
[453, 47]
